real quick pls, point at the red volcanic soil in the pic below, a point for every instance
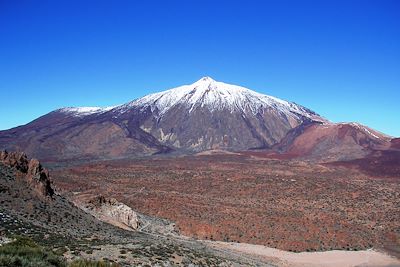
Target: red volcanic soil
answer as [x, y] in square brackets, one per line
[384, 164]
[379, 163]
[278, 203]
[269, 154]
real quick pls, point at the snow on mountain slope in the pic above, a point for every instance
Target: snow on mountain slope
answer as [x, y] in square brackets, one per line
[214, 95]
[83, 111]
[204, 115]
[373, 133]
[205, 93]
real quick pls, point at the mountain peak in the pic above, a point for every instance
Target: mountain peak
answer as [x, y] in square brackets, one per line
[206, 79]
[212, 95]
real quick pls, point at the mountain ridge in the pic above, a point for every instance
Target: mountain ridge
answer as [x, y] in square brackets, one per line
[205, 115]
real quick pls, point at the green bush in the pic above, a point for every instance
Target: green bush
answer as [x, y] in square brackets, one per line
[23, 252]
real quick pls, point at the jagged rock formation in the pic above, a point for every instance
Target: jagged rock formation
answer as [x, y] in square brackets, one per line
[36, 176]
[17, 160]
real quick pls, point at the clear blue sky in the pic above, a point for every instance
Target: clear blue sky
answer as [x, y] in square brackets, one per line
[339, 58]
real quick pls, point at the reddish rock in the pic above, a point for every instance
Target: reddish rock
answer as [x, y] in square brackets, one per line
[36, 176]
[39, 178]
[17, 160]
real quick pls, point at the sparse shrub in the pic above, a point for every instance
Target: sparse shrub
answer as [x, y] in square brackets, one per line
[60, 251]
[88, 263]
[26, 253]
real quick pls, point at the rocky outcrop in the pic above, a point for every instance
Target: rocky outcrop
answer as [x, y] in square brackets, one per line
[17, 160]
[36, 176]
[39, 178]
[113, 212]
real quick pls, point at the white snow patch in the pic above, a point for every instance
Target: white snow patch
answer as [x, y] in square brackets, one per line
[84, 111]
[370, 133]
[365, 129]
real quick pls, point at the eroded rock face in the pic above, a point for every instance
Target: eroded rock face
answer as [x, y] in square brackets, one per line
[39, 178]
[34, 173]
[114, 212]
[17, 160]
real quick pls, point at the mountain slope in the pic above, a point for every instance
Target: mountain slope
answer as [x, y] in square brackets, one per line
[214, 115]
[73, 133]
[333, 141]
[204, 115]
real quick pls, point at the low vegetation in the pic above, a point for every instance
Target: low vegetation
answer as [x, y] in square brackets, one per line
[290, 205]
[24, 252]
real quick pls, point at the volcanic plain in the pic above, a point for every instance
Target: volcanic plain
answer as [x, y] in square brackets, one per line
[252, 198]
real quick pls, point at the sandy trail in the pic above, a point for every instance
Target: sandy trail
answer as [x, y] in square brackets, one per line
[335, 258]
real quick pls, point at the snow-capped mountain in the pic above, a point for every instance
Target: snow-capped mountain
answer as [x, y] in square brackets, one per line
[191, 118]
[217, 96]
[205, 93]
[213, 115]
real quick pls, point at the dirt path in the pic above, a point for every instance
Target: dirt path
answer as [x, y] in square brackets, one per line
[365, 258]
